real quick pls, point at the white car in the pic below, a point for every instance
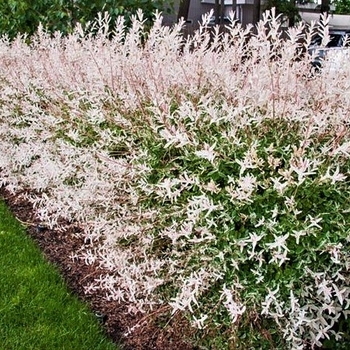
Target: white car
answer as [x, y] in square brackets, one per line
[226, 20]
[334, 52]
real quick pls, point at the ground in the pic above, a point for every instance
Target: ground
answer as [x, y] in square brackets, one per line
[155, 330]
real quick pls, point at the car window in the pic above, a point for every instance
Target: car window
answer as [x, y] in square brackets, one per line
[336, 40]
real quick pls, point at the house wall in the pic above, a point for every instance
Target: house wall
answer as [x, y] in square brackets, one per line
[195, 13]
[198, 9]
[247, 11]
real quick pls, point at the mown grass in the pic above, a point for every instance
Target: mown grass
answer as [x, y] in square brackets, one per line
[37, 310]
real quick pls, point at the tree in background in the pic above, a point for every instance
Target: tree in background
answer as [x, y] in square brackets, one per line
[342, 7]
[24, 16]
[286, 7]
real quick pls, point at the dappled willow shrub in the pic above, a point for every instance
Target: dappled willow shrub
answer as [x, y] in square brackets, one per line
[209, 174]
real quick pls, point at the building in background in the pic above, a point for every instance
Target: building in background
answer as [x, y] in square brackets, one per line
[249, 11]
[246, 11]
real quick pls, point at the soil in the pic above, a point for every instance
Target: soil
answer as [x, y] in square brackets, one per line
[156, 330]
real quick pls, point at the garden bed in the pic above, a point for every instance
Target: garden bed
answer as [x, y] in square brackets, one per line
[150, 331]
[195, 190]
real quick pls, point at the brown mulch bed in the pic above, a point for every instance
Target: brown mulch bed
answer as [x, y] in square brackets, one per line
[156, 330]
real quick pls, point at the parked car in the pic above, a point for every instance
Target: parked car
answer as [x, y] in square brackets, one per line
[226, 20]
[338, 46]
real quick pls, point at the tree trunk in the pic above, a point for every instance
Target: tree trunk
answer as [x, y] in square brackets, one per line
[257, 9]
[291, 19]
[184, 8]
[325, 6]
[217, 11]
[234, 9]
[222, 12]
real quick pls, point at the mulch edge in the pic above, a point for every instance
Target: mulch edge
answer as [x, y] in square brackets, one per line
[130, 332]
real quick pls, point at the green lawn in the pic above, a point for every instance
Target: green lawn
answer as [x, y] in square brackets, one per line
[36, 309]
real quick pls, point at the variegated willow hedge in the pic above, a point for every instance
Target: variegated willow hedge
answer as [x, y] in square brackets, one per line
[209, 174]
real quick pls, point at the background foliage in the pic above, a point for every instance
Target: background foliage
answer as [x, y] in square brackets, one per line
[342, 7]
[24, 16]
[285, 7]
